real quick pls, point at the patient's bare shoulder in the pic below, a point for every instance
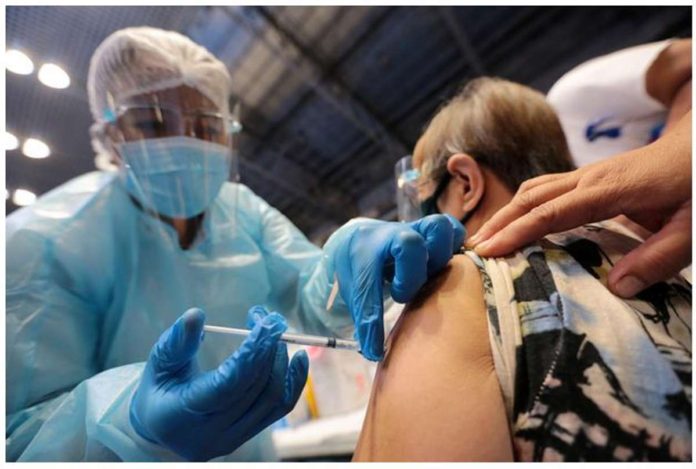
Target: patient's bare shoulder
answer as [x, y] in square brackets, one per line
[448, 311]
[436, 395]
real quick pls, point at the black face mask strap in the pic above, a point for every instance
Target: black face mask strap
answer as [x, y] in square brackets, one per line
[429, 205]
[468, 214]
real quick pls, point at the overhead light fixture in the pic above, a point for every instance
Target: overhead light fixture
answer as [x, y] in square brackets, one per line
[35, 148]
[53, 76]
[11, 142]
[23, 197]
[18, 62]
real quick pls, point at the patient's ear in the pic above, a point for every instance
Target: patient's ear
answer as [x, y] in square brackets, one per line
[468, 180]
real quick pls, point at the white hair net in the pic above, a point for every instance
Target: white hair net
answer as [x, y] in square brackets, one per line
[139, 60]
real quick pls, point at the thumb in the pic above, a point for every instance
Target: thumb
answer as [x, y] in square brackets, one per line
[662, 256]
[369, 329]
[296, 379]
[439, 233]
[367, 307]
[178, 344]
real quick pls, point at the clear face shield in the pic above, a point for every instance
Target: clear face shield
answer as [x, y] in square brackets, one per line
[176, 149]
[407, 201]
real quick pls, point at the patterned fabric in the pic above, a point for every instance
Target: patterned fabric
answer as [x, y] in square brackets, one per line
[588, 376]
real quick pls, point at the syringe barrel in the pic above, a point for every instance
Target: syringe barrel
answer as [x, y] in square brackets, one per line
[331, 342]
[347, 344]
[301, 339]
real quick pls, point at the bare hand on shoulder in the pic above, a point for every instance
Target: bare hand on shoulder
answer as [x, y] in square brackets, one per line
[650, 185]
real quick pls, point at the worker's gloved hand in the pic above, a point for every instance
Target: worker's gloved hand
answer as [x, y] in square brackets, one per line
[202, 415]
[406, 254]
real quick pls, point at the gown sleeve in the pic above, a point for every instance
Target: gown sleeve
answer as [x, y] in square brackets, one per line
[60, 404]
[300, 273]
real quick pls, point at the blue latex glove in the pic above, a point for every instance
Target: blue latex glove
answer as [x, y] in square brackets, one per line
[406, 254]
[202, 415]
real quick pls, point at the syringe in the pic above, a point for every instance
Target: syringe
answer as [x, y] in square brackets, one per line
[299, 339]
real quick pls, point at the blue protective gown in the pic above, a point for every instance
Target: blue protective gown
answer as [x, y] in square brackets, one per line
[92, 281]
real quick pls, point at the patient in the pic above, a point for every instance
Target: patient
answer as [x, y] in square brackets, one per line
[527, 357]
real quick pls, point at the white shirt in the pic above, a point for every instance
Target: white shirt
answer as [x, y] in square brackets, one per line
[603, 105]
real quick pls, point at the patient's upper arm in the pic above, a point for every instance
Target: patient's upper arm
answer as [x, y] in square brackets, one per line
[436, 395]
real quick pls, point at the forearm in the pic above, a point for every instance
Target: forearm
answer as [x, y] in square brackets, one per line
[300, 274]
[673, 147]
[681, 104]
[301, 285]
[313, 315]
[669, 72]
[337, 320]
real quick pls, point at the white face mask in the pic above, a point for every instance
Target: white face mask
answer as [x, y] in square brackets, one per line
[178, 177]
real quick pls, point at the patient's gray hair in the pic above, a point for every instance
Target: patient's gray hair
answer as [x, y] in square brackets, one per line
[508, 127]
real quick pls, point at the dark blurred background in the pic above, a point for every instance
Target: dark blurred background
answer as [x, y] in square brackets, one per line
[331, 97]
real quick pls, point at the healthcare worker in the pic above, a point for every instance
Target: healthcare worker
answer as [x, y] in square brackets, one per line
[111, 276]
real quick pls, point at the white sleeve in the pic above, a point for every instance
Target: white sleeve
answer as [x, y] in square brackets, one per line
[603, 105]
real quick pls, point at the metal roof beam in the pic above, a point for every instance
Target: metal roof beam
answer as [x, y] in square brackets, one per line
[471, 58]
[299, 59]
[329, 69]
